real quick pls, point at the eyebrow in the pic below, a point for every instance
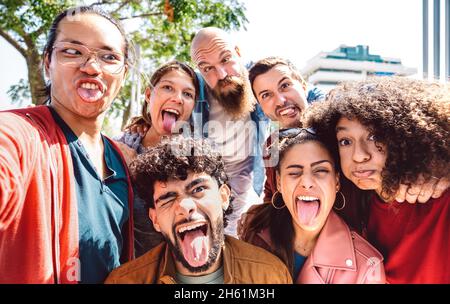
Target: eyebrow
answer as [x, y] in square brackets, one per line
[165, 196]
[195, 182]
[224, 53]
[283, 79]
[312, 165]
[339, 129]
[104, 47]
[202, 63]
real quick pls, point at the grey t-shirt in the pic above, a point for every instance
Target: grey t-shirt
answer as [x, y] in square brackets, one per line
[213, 278]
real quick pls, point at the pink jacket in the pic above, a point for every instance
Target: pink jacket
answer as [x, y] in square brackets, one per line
[340, 256]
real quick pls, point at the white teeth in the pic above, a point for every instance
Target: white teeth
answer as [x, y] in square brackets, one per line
[89, 86]
[172, 111]
[287, 111]
[190, 227]
[307, 198]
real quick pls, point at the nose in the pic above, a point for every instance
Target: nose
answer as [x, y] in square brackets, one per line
[306, 181]
[91, 66]
[221, 73]
[360, 153]
[186, 207]
[280, 100]
[178, 97]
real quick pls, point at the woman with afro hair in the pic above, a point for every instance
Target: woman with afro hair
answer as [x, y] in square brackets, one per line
[391, 131]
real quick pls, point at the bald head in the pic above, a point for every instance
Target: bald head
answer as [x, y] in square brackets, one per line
[207, 38]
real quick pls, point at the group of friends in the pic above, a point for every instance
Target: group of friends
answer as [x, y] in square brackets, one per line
[229, 175]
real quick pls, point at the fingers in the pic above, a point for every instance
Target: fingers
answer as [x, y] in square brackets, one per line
[426, 191]
[441, 186]
[142, 130]
[400, 196]
[412, 193]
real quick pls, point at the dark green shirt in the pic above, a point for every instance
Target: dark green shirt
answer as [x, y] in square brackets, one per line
[102, 208]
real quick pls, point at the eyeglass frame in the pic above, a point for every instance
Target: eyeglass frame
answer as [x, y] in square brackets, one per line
[88, 56]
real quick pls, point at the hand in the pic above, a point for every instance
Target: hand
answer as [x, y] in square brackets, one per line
[422, 190]
[138, 126]
[128, 153]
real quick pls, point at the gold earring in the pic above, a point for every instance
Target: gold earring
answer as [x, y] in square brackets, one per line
[343, 199]
[273, 204]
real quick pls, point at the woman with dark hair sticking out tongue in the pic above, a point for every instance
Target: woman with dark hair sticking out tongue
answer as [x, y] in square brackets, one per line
[169, 102]
[300, 226]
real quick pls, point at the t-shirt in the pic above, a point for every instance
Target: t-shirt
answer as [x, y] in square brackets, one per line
[413, 238]
[299, 260]
[213, 278]
[102, 208]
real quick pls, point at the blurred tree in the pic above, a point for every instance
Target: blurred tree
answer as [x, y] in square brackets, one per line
[162, 28]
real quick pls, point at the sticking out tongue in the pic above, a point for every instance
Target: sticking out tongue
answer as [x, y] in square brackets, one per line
[195, 248]
[169, 120]
[307, 211]
[89, 95]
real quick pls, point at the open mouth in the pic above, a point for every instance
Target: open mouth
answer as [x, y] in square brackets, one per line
[170, 117]
[195, 243]
[90, 91]
[307, 209]
[290, 111]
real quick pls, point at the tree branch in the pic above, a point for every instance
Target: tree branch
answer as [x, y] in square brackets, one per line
[140, 16]
[14, 43]
[101, 3]
[121, 6]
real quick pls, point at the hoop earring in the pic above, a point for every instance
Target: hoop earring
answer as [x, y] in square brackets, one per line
[343, 199]
[273, 203]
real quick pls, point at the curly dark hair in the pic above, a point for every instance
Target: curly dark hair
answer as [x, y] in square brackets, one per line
[174, 158]
[411, 117]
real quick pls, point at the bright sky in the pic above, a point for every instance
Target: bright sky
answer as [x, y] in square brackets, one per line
[298, 30]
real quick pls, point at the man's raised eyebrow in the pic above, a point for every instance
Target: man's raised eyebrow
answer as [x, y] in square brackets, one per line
[282, 79]
[195, 182]
[224, 52]
[165, 196]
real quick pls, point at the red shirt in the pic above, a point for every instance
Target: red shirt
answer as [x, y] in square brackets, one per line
[413, 238]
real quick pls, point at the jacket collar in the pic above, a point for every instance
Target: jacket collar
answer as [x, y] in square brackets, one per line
[334, 247]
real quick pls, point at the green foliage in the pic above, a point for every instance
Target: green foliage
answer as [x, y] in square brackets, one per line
[162, 28]
[20, 92]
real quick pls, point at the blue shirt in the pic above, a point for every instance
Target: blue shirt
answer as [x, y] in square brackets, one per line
[299, 260]
[102, 208]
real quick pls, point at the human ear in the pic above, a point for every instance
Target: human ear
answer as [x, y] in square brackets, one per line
[153, 216]
[225, 193]
[278, 181]
[148, 94]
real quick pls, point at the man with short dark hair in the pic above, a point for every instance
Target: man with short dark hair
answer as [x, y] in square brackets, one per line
[184, 184]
